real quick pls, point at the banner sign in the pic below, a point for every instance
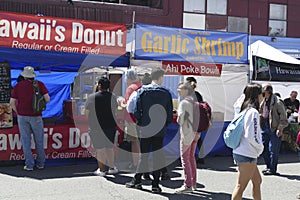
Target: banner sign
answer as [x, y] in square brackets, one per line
[187, 68]
[264, 69]
[62, 35]
[61, 141]
[175, 44]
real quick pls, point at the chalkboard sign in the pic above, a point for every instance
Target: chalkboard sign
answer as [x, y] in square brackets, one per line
[5, 90]
[5, 82]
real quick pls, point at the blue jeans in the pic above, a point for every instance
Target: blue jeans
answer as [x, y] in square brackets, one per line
[271, 148]
[35, 125]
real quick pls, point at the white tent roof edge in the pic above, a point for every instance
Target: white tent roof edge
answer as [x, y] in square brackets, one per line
[263, 50]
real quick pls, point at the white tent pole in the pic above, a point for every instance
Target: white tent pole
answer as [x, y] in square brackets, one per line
[132, 37]
[250, 55]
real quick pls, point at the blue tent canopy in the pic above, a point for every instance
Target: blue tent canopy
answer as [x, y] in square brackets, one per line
[59, 61]
[57, 70]
[58, 84]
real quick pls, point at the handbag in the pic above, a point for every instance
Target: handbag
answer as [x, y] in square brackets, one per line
[234, 131]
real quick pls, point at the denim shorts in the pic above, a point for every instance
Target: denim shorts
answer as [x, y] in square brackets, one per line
[243, 159]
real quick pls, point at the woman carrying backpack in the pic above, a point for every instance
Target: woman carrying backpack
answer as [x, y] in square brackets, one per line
[251, 146]
[188, 138]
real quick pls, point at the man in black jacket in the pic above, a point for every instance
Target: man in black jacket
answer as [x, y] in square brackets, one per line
[153, 112]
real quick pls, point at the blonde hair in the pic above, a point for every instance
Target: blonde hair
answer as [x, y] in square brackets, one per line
[187, 86]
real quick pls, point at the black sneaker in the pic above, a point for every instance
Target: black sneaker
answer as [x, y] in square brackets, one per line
[165, 176]
[156, 189]
[147, 177]
[134, 184]
[269, 173]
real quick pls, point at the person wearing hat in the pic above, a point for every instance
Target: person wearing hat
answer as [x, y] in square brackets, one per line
[199, 98]
[29, 121]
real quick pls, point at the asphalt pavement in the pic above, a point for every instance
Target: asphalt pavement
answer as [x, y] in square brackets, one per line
[216, 180]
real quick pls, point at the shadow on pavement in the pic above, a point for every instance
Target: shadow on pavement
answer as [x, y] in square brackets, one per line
[291, 177]
[173, 184]
[81, 169]
[218, 163]
[226, 163]
[50, 172]
[201, 194]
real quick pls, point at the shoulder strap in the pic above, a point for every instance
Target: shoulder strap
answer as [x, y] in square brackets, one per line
[243, 113]
[190, 100]
[186, 115]
[35, 86]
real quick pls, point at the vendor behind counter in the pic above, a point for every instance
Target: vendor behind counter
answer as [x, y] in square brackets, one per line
[292, 106]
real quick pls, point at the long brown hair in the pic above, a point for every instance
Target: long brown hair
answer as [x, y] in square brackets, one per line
[251, 92]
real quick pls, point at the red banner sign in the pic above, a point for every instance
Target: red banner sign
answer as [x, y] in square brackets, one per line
[63, 35]
[60, 141]
[188, 68]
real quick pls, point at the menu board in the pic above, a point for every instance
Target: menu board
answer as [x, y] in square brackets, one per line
[5, 83]
[5, 91]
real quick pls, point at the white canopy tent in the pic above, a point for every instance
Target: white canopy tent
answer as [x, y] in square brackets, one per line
[263, 50]
[266, 51]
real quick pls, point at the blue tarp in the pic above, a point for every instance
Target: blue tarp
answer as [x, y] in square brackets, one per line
[57, 70]
[58, 61]
[213, 142]
[58, 84]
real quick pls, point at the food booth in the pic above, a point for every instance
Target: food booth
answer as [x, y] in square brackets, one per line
[218, 61]
[61, 52]
[268, 64]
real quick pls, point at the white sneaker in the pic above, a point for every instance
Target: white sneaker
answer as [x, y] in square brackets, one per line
[27, 168]
[99, 173]
[183, 189]
[113, 170]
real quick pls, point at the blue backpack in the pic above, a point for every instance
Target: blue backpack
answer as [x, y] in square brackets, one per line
[234, 131]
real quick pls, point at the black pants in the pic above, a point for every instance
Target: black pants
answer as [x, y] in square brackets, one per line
[147, 145]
